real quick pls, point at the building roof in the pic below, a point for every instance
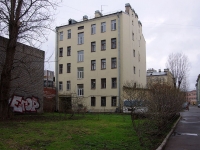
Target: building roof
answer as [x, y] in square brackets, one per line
[157, 73]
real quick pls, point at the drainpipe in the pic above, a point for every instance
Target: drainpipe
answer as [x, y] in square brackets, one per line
[56, 67]
[118, 64]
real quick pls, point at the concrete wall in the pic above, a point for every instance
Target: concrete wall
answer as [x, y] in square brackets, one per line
[27, 72]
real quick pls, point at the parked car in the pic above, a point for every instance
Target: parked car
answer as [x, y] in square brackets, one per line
[198, 105]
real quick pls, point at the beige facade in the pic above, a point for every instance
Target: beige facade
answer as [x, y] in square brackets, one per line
[159, 77]
[96, 56]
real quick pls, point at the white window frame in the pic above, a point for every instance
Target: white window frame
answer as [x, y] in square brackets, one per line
[80, 91]
[113, 101]
[103, 63]
[61, 52]
[113, 63]
[68, 85]
[113, 25]
[114, 84]
[60, 86]
[81, 38]
[103, 45]
[93, 29]
[103, 27]
[61, 36]
[80, 56]
[80, 73]
[93, 46]
[93, 64]
[69, 34]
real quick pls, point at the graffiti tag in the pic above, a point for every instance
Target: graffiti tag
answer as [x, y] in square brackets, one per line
[24, 105]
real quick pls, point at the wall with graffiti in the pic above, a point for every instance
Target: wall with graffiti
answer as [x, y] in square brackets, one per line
[19, 104]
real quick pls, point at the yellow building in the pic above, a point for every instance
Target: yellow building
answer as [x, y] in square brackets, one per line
[159, 77]
[95, 57]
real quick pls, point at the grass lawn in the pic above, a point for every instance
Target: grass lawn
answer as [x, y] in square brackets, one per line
[55, 132]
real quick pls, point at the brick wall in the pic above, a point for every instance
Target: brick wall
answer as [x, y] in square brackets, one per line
[27, 72]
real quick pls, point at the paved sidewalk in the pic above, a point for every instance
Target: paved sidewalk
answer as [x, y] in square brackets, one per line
[186, 135]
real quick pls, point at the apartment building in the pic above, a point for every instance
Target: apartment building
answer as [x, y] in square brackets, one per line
[154, 76]
[95, 57]
[191, 97]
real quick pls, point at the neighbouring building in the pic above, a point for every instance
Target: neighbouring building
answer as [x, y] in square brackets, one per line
[48, 78]
[198, 89]
[27, 77]
[164, 76]
[49, 103]
[95, 57]
[191, 96]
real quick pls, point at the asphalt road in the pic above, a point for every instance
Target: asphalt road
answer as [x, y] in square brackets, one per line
[186, 135]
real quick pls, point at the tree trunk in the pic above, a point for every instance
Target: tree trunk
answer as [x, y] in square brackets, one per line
[5, 83]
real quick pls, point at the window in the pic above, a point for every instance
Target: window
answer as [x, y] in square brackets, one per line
[93, 83]
[68, 85]
[113, 24]
[93, 46]
[69, 34]
[133, 53]
[80, 91]
[132, 22]
[93, 101]
[80, 38]
[114, 82]
[80, 73]
[80, 56]
[93, 64]
[133, 36]
[69, 51]
[114, 101]
[60, 68]
[60, 52]
[103, 27]
[138, 56]
[113, 63]
[68, 67]
[81, 27]
[113, 43]
[103, 83]
[103, 63]
[60, 86]
[93, 28]
[103, 44]
[134, 70]
[61, 36]
[103, 101]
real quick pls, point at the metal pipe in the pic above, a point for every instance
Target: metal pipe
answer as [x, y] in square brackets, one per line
[56, 68]
[118, 64]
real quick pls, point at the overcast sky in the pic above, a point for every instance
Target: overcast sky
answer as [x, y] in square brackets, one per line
[168, 26]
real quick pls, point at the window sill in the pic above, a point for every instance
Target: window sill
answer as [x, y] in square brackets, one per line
[114, 68]
[103, 88]
[93, 89]
[103, 106]
[113, 47]
[103, 49]
[103, 68]
[93, 70]
[81, 44]
[113, 29]
[60, 56]
[93, 51]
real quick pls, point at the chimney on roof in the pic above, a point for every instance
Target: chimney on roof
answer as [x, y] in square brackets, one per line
[85, 17]
[98, 14]
[127, 8]
[166, 70]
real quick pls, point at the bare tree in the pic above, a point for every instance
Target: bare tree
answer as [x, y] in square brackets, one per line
[178, 64]
[21, 21]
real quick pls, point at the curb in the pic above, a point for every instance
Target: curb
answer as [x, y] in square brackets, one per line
[162, 145]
